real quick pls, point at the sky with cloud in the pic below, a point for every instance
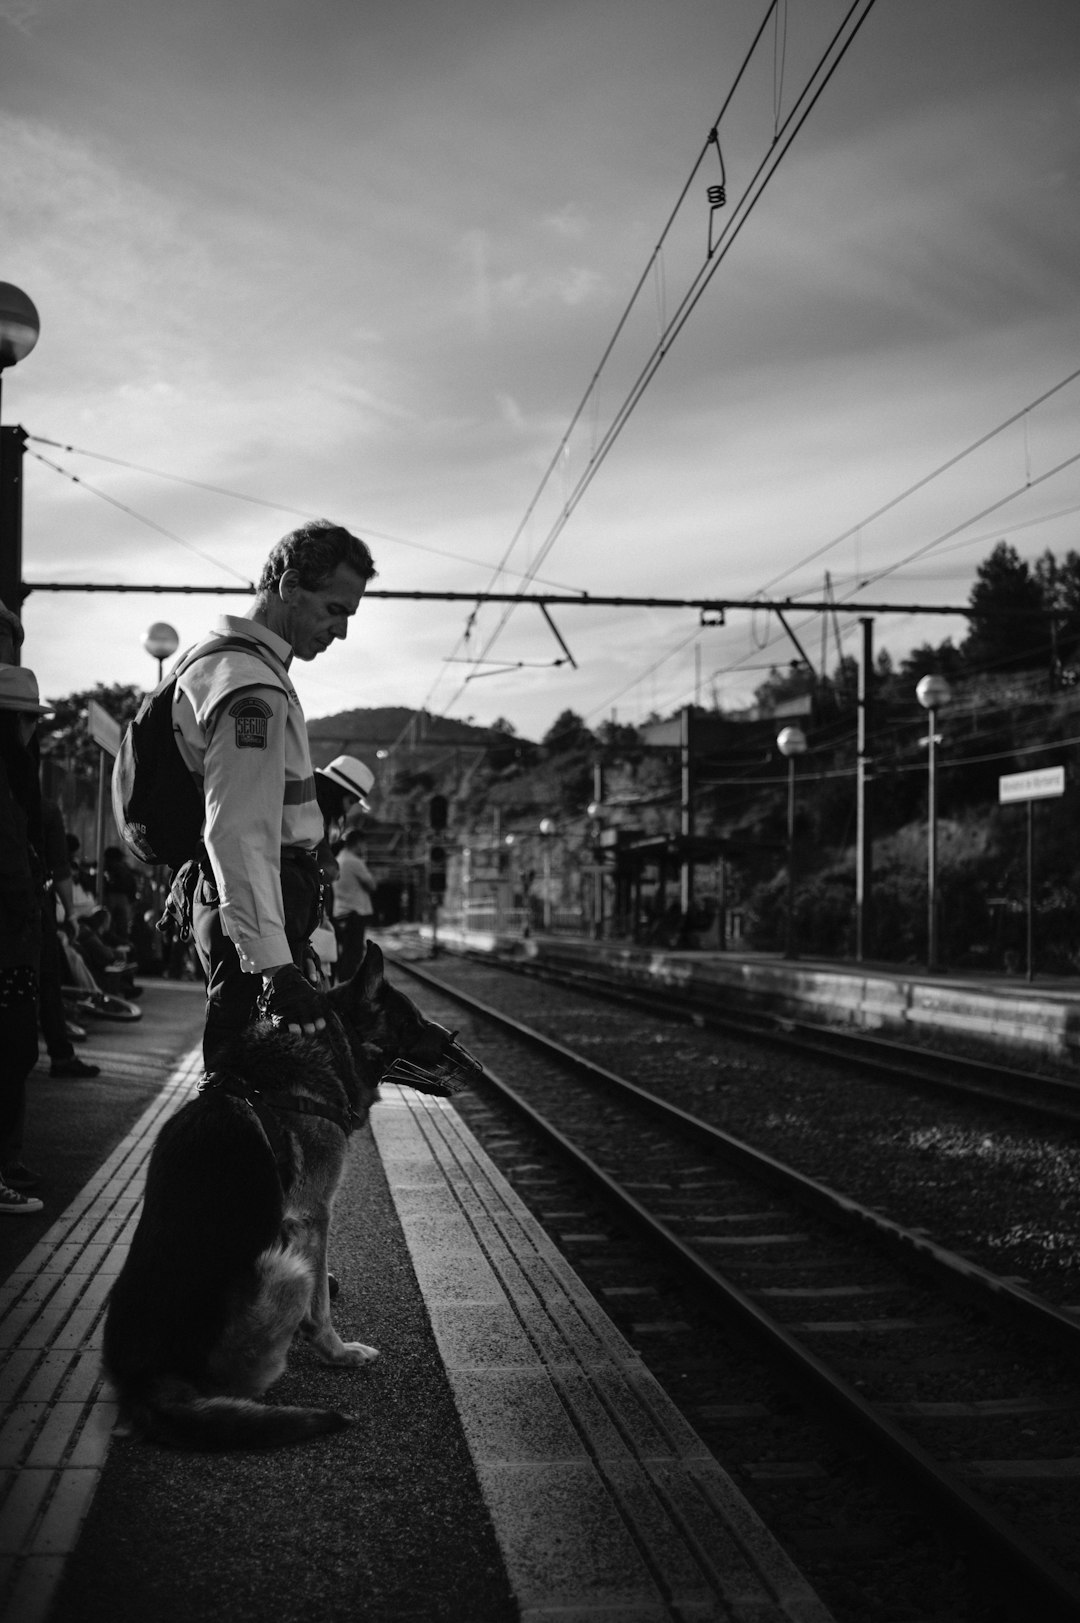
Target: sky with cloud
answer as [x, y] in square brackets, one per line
[413, 267]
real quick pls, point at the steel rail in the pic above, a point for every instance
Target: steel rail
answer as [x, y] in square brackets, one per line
[1033, 1312]
[953, 1073]
[1037, 1578]
[1040, 1582]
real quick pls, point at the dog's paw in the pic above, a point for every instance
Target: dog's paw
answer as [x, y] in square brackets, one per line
[357, 1353]
[346, 1354]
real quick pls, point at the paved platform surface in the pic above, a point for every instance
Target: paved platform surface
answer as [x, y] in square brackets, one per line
[512, 1456]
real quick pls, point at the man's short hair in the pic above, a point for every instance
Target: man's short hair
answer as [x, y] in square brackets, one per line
[315, 550]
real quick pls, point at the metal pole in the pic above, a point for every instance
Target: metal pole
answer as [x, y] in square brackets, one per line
[598, 852]
[1030, 888]
[686, 811]
[864, 850]
[547, 881]
[12, 444]
[790, 953]
[931, 846]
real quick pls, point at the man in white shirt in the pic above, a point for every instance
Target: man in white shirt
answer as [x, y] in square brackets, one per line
[354, 903]
[242, 733]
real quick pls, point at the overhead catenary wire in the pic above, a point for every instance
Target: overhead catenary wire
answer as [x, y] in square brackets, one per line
[920, 484]
[851, 594]
[631, 302]
[258, 501]
[993, 507]
[790, 128]
[944, 763]
[807, 99]
[152, 524]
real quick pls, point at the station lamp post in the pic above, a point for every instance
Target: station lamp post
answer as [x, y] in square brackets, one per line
[504, 887]
[19, 325]
[19, 329]
[791, 742]
[594, 811]
[547, 834]
[160, 642]
[932, 692]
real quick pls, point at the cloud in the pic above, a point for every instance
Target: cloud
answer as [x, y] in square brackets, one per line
[511, 412]
[474, 248]
[22, 15]
[567, 222]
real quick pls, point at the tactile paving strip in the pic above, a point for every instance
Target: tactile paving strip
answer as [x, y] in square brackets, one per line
[55, 1421]
[606, 1504]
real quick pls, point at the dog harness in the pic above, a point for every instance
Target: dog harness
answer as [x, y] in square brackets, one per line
[267, 1109]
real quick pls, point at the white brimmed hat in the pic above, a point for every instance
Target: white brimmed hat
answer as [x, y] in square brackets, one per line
[351, 775]
[19, 691]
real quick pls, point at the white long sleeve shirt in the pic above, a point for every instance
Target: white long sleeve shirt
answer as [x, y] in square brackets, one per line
[241, 731]
[354, 887]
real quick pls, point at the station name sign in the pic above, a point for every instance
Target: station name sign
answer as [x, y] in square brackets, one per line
[1041, 785]
[102, 728]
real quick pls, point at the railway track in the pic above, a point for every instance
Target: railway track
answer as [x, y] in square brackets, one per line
[958, 1383]
[1044, 1097]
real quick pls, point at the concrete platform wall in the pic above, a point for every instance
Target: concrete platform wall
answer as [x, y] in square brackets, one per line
[1021, 1020]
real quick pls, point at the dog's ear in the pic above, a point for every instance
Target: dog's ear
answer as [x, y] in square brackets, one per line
[369, 977]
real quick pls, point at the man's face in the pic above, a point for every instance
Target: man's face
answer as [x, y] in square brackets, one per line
[313, 619]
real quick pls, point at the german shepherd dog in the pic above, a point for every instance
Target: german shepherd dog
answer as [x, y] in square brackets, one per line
[228, 1260]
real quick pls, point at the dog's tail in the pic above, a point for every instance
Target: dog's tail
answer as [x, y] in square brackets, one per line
[173, 1413]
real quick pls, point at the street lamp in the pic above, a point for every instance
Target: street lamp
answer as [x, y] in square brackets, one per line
[932, 692]
[19, 329]
[595, 811]
[547, 832]
[504, 879]
[791, 742]
[19, 325]
[160, 641]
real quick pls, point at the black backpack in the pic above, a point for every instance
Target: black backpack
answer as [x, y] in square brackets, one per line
[158, 808]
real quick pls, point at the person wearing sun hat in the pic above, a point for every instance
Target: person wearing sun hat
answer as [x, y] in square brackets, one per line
[21, 888]
[341, 787]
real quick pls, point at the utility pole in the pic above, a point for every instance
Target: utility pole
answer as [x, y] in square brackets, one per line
[12, 441]
[686, 809]
[864, 847]
[19, 329]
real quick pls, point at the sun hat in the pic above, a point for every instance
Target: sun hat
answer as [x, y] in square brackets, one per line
[19, 691]
[351, 775]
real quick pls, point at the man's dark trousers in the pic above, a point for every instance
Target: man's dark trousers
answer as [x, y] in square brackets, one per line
[231, 995]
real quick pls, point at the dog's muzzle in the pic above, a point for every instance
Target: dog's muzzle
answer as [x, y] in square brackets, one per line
[445, 1071]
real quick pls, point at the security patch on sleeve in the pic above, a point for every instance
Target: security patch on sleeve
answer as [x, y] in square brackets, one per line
[252, 717]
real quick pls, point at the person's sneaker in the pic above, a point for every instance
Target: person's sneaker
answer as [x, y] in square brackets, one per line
[19, 1176]
[75, 1034]
[16, 1205]
[73, 1067]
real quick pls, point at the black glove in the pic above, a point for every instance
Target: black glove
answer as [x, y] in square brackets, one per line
[291, 1000]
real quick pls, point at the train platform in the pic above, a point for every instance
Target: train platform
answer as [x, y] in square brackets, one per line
[512, 1457]
[1029, 1020]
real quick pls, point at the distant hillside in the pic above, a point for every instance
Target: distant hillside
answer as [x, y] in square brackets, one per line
[362, 732]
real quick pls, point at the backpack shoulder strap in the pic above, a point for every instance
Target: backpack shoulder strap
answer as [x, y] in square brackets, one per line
[219, 645]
